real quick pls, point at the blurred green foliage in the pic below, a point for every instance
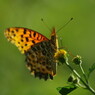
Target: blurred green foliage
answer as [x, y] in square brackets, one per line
[78, 37]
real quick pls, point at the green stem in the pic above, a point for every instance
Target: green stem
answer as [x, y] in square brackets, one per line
[83, 73]
[76, 73]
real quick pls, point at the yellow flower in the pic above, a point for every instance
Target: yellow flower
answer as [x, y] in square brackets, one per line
[61, 56]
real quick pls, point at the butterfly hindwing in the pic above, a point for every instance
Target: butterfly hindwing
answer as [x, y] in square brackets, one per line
[40, 60]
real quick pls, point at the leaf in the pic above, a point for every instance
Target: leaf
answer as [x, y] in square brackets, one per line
[66, 90]
[91, 69]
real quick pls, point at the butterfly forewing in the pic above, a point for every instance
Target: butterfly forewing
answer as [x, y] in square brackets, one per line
[23, 38]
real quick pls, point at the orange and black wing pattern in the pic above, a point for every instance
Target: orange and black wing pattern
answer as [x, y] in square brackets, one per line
[38, 49]
[23, 38]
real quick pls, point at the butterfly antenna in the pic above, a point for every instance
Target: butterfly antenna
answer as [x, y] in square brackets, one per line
[64, 25]
[45, 24]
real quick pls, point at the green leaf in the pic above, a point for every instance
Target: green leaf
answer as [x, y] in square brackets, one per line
[91, 69]
[66, 90]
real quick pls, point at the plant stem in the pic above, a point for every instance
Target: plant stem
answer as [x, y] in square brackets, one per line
[83, 73]
[76, 73]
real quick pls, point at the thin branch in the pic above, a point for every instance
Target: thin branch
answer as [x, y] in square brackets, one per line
[83, 73]
[76, 73]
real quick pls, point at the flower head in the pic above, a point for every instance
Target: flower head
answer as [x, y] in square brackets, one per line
[61, 56]
[77, 60]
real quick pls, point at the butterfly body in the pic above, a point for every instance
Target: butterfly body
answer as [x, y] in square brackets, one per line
[38, 49]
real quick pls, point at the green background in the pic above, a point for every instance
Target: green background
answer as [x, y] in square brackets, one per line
[78, 37]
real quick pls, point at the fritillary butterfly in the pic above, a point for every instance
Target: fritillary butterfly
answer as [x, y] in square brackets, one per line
[38, 49]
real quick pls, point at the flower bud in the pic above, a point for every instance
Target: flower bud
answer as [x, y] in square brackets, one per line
[76, 81]
[71, 78]
[77, 60]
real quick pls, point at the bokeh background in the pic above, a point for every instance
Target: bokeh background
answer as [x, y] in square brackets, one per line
[78, 37]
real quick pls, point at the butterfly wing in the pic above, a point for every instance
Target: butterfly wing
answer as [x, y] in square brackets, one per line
[38, 49]
[23, 38]
[40, 58]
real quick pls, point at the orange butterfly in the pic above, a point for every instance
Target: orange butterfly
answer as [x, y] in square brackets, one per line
[38, 49]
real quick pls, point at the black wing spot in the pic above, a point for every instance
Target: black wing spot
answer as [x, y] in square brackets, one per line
[22, 40]
[21, 46]
[21, 36]
[18, 42]
[27, 39]
[12, 31]
[38, 37]
[33, 41]
[16, 30]
[14, 35]
[8, 29]
[24, 31]
[25, 44]
[30, 35]
[34, 34]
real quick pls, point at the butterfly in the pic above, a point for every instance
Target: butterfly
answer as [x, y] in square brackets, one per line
[38, 49]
